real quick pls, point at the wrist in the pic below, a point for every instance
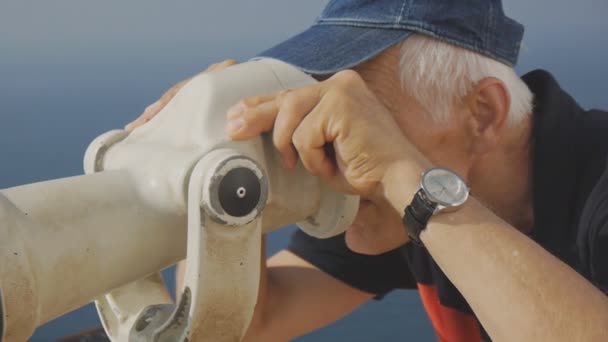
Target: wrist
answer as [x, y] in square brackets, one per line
[401, 181]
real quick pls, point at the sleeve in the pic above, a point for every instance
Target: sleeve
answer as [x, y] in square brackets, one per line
[593, 235]
[376, 274]
[593, 240]
[599, 261]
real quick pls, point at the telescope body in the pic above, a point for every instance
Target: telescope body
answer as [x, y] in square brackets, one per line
[175, 188]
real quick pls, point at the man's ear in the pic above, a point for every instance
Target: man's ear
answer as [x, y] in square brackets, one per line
[489, 103]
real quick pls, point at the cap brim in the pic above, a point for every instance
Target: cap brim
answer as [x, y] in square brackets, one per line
[327, 49]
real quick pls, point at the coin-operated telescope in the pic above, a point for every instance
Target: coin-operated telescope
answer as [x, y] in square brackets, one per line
[174, 188]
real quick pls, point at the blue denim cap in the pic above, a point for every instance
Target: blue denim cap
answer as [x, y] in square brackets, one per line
[350, 32]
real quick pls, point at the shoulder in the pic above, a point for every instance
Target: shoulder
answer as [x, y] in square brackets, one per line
[570, 178]
[592, 181]
[593, 131]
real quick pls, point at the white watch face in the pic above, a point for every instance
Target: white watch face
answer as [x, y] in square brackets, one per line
[444, 187]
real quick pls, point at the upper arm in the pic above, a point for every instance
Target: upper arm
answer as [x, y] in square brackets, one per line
[318, 281]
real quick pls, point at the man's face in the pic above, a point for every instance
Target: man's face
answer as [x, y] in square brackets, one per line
[378, 227]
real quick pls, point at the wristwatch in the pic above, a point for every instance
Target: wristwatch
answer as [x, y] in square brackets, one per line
[440, 190]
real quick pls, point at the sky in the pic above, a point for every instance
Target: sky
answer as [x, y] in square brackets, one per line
[79, 39]
[71, 70]
[90, 66]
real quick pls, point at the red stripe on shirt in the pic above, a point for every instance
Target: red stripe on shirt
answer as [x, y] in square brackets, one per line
[450, 325]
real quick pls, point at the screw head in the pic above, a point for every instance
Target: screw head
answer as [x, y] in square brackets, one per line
[239, 191]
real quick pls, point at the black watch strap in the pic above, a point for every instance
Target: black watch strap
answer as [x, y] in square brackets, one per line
[417, 215]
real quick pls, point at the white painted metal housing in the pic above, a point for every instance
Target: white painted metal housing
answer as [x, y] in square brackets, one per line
[150, 199]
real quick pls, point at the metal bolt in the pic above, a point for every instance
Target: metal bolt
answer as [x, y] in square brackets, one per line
[241, 192]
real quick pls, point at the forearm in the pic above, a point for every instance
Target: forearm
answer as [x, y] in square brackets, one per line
[518, 290]
[296, 298]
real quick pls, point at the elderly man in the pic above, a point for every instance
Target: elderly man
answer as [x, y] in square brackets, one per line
[427, 88]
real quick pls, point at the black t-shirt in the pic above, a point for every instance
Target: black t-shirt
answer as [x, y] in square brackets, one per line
[570, 189]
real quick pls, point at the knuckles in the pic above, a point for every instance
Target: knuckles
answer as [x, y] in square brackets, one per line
[281, 141]
[228, 62]
[347, 79]
[252, 101]
[222, 64]
[298, 140]
[289, 100]
[346, 88]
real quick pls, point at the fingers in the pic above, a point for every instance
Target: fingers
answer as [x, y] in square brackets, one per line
[248, 103]
[331, 126]
[310, 141]
[148, 114]
[157, 106]
[293, 108]
[245, 122]
[282, 113]
[220, 65]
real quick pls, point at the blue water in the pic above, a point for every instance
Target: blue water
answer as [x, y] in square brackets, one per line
[70, 70]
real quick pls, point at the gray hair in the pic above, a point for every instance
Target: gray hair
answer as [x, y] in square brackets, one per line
[436, 74]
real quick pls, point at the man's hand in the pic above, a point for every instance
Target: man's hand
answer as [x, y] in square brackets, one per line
[338, 128]
[157, 106]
